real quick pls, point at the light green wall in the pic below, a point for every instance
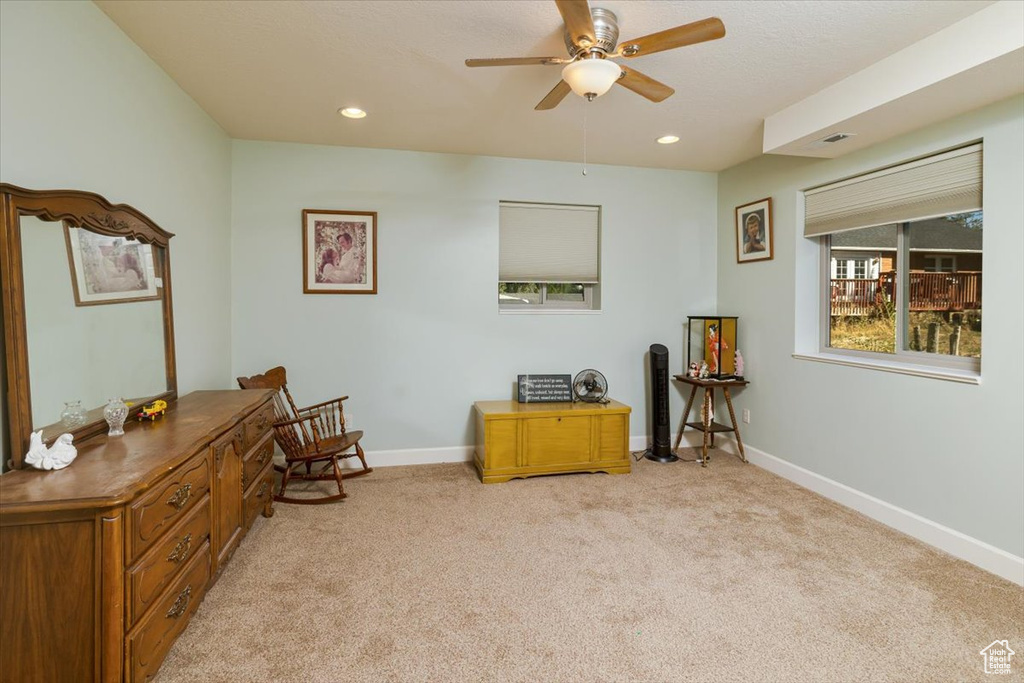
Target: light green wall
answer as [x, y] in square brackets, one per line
[952, 453]
[415, 356]
[84, 108]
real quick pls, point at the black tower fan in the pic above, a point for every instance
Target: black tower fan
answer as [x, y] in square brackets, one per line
[661, 448]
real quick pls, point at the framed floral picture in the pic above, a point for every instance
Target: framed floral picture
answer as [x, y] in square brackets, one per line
[339, 252]
[755, 240]
[109, 269]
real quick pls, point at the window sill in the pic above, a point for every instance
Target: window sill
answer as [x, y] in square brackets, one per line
[947, 374]
[549, 311]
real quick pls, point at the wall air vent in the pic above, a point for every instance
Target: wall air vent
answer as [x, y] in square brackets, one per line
[829, 139]
[836, 137]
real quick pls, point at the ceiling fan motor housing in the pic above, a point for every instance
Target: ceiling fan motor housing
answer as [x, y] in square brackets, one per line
[606, 31]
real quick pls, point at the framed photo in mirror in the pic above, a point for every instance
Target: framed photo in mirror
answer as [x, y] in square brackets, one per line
[109, 269]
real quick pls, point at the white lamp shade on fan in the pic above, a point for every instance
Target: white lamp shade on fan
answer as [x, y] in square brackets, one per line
[591, 76]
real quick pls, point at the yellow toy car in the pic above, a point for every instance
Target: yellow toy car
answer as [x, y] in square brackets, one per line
[152, 411]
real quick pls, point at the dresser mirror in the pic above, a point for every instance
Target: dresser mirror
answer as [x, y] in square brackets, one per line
[87, 312]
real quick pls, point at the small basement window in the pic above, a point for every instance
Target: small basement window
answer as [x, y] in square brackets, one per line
[548, 257]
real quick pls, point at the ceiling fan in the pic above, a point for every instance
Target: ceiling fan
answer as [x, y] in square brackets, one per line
[590, 37]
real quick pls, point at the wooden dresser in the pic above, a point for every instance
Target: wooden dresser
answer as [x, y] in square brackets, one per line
[102, 564]
[526, 439]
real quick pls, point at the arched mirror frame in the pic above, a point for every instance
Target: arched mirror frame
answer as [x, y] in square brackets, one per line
[82, 210]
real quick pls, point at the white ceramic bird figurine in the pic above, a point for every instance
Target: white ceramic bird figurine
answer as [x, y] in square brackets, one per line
[56, 457]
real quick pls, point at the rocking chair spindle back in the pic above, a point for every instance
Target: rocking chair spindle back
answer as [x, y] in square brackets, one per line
[311, 435]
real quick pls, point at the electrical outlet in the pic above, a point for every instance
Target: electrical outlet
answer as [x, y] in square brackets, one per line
[746, 416]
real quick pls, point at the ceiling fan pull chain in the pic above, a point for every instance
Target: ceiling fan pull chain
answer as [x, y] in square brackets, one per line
[585, 103]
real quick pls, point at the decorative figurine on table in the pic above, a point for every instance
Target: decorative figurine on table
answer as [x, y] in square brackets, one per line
[56, 457]
[739, 363]
[152, 411]
[703, 372]
[693, 371]
[716, 343]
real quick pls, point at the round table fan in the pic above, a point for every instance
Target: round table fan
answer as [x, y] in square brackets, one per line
[590, 386]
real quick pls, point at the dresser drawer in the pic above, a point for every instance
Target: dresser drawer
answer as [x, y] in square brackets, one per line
[149, 641]
[258, 424]
[165, 560]
[256, 459]
[257, 495]
[170, 500]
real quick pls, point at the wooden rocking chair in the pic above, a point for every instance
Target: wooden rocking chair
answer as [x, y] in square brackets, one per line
[314, 435]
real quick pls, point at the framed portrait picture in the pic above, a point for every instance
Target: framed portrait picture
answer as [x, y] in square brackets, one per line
[110, 270]
[754, 234]
[339, 252]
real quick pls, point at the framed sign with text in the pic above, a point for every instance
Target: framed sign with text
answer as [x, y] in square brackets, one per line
[544, 388]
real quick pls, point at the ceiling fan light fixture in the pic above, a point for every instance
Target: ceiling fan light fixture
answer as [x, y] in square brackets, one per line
[352, 113]
[668, 139]
[591, 78]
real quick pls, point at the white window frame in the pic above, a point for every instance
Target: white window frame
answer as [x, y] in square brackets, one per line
[842, 268]
[553, 306]
[902, 356]
[591, 291]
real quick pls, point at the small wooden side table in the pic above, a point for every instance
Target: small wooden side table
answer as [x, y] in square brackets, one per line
[706, 425]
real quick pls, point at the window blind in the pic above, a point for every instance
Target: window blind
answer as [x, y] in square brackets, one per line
[939, 185]
[547, 243]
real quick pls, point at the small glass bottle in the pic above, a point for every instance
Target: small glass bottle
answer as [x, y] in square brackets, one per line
[72, 415]
[115, 414]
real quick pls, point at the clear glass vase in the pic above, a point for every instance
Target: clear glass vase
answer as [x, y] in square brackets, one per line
[73, 414]
[115, 414]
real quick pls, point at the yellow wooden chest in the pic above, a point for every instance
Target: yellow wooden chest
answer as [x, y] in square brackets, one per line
[526, 439]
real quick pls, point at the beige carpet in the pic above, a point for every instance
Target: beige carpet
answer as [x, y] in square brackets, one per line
[671, 573]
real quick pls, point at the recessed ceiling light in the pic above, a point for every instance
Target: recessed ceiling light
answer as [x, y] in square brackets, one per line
[668, 139]
[352, 113]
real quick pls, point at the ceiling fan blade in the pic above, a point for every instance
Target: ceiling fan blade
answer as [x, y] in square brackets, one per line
[669, 39]
[644, 85]
[578, 22]
[516, 61]
[556, 95]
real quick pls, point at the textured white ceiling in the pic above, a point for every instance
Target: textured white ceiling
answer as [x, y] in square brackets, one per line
[279, 71]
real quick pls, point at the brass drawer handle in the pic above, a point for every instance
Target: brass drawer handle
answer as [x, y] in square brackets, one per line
[263, 489]
[180, 496]
[181, 604]
[261, 422]
[180, 551]
[265, 454]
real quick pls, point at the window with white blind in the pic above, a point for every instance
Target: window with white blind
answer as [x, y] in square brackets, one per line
[917, 298]
[548, 256]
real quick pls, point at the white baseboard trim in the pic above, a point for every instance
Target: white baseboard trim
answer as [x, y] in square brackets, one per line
[415, 456]
[431, 456]
[691, 439]
[957, 544]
